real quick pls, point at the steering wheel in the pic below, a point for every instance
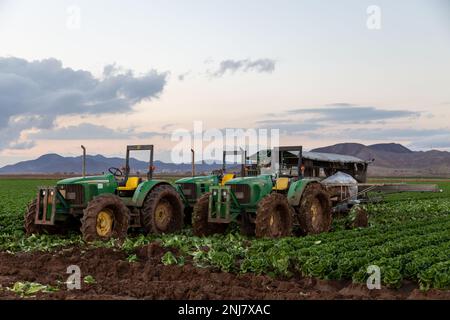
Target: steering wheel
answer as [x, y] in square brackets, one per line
[116, 172]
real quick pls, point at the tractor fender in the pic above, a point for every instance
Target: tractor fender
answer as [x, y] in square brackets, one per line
[145, 188]
[296, 189]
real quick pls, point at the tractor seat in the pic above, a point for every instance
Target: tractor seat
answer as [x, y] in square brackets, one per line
[227, 177]
[281, 184]
[131, 185]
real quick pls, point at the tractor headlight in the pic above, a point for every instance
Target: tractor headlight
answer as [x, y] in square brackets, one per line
[214, 193]
[224, 194]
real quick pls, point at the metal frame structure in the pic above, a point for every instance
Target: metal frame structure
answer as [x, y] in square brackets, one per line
[148, 147]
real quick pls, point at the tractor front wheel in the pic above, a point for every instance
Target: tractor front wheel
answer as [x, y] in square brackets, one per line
[200, 225]
[314, 212]
[105, 217]
[274, 217]
[29, 225]
[32, 228]
[163, 211]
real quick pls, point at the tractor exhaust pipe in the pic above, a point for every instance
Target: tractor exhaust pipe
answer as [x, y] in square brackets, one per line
[193, 162]
[84, 161]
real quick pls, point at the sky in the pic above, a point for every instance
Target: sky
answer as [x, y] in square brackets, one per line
[110, 73]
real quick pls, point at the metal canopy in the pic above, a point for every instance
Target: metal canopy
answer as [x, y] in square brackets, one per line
[315, 156]
[331, 157]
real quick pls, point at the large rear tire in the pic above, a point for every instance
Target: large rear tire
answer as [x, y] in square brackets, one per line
[105, 217]
[163, 211]
[200, 225]
[314, 212]
[274, 217]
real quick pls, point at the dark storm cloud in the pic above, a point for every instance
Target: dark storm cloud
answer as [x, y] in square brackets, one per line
[34, 93]
[246, 65]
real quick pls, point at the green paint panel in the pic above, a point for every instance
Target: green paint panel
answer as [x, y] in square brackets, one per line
[202, 186]
[143, 189]
[296, 190]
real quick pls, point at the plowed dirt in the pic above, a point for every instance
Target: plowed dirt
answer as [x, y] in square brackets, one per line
[148, 278]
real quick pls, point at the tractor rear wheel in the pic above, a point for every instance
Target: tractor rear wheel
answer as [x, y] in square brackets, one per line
[274, 217]
[105, 217]
[163, 211]
[200, 225]
[314, 212]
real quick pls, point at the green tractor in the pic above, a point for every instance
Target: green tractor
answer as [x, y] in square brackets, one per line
[106, 206]
[272, 204]
[193, 188]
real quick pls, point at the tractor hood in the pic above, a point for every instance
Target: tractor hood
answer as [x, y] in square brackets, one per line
[261, 180]
[211, 179]
[101, 179]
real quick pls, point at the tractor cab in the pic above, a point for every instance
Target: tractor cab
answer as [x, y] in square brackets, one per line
[227, 174]
[192, 188]
[283, 164]
[127, 179]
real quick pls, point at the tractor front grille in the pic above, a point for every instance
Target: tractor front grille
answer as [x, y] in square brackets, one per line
[189, 190]
[72, 193]
[241, 192]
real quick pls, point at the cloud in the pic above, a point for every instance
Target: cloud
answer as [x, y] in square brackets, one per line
[34, 93]
[87, 131]
[288, 126]
[441, 141]
[182, 76]
[349, 113]
[84, 131]
[232, 66]
[394, 133]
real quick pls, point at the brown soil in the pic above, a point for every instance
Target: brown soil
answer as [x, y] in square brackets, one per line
[148, 278]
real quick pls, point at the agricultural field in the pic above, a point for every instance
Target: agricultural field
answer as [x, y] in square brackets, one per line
[408, 238]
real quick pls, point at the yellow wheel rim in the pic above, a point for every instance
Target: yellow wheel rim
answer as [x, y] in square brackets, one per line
[163, 215]
[316, 211]
[275, 223]
[104, 223]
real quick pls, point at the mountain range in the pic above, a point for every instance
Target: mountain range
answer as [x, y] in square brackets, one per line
[392, 159]
[389, 159]
[54, 163]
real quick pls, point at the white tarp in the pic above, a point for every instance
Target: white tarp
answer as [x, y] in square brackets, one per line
[343, 179]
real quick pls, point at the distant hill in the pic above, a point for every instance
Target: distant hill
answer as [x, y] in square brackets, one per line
[54, 163]
[392, 159]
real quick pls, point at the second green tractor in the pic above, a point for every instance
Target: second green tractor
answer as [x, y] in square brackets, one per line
[276, 203]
